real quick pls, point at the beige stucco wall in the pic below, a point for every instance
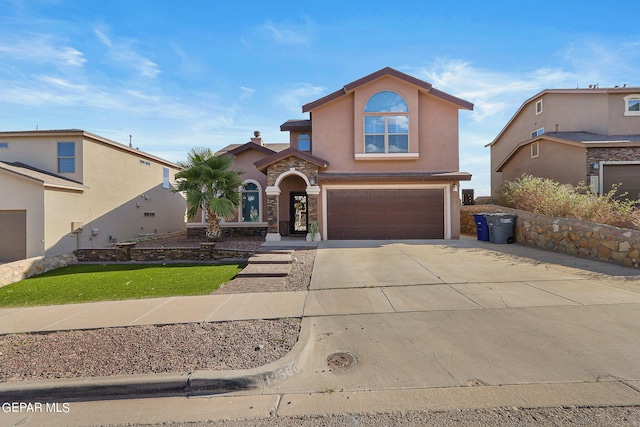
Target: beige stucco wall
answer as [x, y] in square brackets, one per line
[41, 152]
[620, 124]
[338, 131]
[244, 162]
[563, 163]
[598, 111]
[121, 190]
[118, 191]
[18, 193]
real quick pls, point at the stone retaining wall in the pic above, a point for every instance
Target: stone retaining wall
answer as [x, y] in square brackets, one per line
[18, 270]
[229, 231]
[130, 253]
[580, 238]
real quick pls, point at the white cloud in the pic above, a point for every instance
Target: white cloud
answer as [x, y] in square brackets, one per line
[284, 35]
[246, 92]
[42, 48]
[496, 94]
[294, 98]
[123, 53]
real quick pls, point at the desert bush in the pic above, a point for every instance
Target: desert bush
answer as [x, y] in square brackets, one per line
[547, 197]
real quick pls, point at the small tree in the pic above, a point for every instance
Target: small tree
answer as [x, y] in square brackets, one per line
[210, 184]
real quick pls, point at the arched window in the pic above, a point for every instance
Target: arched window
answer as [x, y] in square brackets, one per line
[304, 142]
[386, 124]
[250, 209]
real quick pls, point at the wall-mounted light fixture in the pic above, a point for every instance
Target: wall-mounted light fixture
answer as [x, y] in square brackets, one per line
[312, 180]
[595, 165]
[454, 187]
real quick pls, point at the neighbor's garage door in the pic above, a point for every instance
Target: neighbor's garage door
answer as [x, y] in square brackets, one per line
[385, 214]
[627, 175]
[13, 235]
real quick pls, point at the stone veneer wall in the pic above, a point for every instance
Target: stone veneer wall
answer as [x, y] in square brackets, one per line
[580, 238]
[229, 231]
[277, 169]
[627, 154]
[129, 253]
[18, 270]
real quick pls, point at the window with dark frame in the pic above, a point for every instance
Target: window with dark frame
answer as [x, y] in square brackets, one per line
[66, 157]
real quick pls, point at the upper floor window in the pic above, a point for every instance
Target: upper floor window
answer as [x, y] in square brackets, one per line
[165, 178]
[537, 132]
[4, 145]
[386, 124]
[304, 142]
[632, 105]
[66, 157]
[538, 106]
[250, 209]
[535, 149]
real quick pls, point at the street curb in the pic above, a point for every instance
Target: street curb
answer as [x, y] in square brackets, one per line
[130, 387]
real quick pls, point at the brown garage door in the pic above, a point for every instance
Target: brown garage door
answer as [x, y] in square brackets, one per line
[13, 232]
[385, 214]
[627, 175]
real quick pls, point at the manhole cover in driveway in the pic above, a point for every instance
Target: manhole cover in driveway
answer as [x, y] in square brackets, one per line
[342, 360]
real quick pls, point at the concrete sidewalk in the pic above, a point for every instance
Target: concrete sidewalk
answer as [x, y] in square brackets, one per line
[430, 325]
[207, 308]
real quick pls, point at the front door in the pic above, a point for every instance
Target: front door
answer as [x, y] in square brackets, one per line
[298, 213]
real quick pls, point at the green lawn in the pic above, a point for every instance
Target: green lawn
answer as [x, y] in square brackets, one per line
[87, 283]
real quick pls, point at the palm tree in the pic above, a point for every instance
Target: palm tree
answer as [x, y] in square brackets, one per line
[208, 182]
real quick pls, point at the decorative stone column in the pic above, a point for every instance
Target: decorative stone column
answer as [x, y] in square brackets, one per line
[313, 192]
[273, 231]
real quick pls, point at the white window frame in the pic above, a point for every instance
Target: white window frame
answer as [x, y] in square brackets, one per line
[306, 139]
[632, 97]
[386, 115]
[166, 178]
[259, 188]
[539, 107]
[535, 149]
[537, 132]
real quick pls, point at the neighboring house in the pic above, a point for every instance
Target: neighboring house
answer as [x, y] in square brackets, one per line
[61, 190]
[572, 136]
[378, 159]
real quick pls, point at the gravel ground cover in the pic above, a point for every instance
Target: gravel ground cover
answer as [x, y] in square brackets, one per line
[512, 417]
[156, 349]
[145, 349]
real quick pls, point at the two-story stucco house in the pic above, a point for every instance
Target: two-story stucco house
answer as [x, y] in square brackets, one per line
[571, 136]
[62, 190]
[378, 159]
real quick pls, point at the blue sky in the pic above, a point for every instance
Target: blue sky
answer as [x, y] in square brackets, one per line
[176, 75]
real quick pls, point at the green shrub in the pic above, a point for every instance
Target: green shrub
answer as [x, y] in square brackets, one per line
[547, 197]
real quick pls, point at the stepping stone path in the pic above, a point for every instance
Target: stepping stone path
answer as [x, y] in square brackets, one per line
[265, 272]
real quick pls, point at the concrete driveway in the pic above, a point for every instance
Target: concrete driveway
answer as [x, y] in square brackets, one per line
[464, 313]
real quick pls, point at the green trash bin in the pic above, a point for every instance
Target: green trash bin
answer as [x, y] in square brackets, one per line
[501, 227]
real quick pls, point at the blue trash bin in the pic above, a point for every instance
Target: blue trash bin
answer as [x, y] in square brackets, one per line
[482, 227]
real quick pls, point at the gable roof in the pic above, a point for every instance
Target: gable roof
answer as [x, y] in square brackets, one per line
[577, 139]
[46, 178]
[236, 149]
[250, 146]
[421, 84]
[296, 125]
[263, 163]
[576, 91]
[92, 137]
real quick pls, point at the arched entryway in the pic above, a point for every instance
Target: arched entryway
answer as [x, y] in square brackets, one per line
[292, 205]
